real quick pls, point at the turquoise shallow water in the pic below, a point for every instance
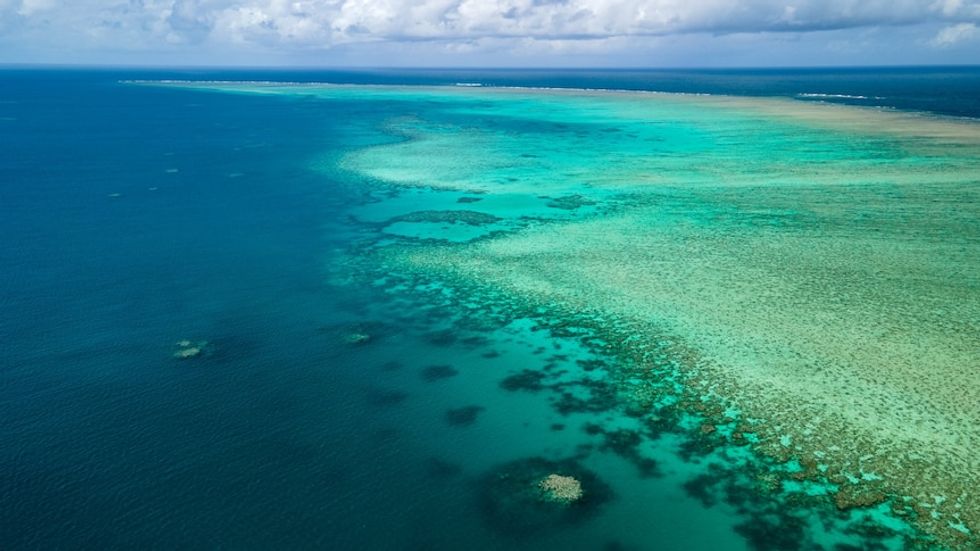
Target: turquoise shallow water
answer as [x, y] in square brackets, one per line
[339, 402]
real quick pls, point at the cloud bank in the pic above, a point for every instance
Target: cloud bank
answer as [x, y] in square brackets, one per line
[297, 29]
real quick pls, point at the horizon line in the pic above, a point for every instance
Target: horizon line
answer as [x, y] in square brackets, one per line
[178, 67]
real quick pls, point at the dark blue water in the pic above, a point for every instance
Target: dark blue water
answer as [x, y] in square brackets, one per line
[219, 231]
[134, 217]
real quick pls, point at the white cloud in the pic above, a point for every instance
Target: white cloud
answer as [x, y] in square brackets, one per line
[305, 25]
[30, 7]
[954, 34]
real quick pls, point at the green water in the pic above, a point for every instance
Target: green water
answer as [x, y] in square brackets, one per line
[797, 280]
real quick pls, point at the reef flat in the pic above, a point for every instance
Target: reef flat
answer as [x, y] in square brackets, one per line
[815, 267]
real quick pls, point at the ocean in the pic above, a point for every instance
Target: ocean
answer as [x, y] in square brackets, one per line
[245, 314]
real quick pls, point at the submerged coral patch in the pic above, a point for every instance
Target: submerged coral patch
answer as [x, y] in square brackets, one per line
[463, 416]
[570, 202]
[445, 337]
[561, 488]
[187, 349]
[470, 217]
[527, 379]
[533, 495]
[392, 365]
[442, 469]
[356, 334]
[438, 372]
[385, 397]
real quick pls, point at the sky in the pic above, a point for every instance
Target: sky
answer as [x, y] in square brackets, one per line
[491, 33]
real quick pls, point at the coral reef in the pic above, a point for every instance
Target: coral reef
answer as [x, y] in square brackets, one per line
[570, 202]
[527, 496]
[385, 397]
[392, 365]
[526, 379]
[757, 285]
[469, 217]
[445, 337]
[357, 338]
[559, 488]
[186, 349]
[433, 373]
[464, 416]
[442, 469]
[356, 334]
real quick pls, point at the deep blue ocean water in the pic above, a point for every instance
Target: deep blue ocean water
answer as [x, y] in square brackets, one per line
[134, 217]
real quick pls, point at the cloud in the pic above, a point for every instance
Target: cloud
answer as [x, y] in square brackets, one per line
[333, 22]
[325, 25]
[954, 34]
[28, 7]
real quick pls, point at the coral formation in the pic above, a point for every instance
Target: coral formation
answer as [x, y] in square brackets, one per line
[559, 488]
[469, 217]
[434, 373]
[570, 202]
[464, 416]
[526, 379]
[356, 334]
[357, 338]
[187, 349]
[442, 469]
[527, 496]
[384, 397]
